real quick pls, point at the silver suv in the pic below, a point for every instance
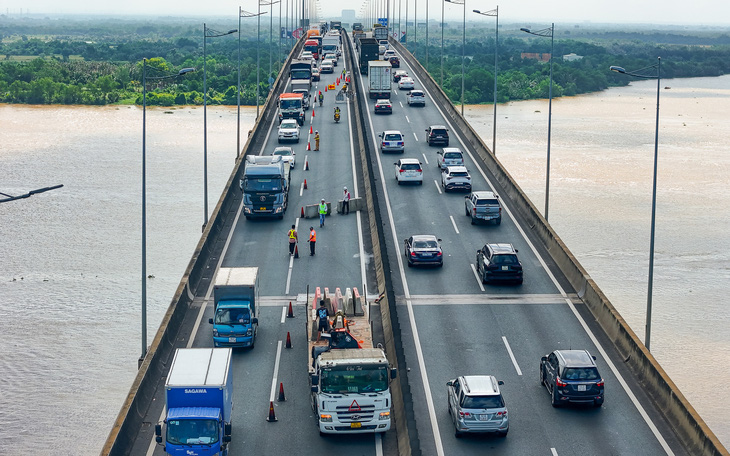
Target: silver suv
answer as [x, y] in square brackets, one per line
[449, 156]
[476, 405]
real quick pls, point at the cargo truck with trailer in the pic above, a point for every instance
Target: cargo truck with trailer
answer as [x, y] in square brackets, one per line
[235, 317]
[199, 401]
[379, 79]
[349, 376]
[368, 50]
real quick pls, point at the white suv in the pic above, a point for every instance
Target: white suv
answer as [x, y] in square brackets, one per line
[416, 98]
[455, 178]
[392, 141]
[408, 170]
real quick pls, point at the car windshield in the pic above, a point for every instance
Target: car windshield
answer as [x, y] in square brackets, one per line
[286, 153]
[410, 166]
[580, 373]
[300, 74]
[452, 155]
[261, 185]
[482, 402]
[289, 124]
[393, 137]
[487, 202]
[425, 244]
[416, 94]
[192, 432]
[438, 131]
[291, 104]
[354, 379]
[235, 316]
[505, 259]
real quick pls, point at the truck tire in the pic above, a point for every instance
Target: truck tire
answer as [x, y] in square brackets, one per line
[499, 220]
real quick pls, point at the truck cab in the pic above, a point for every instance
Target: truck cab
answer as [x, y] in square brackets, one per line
[265, 186]
[235, 319]
[291, 106]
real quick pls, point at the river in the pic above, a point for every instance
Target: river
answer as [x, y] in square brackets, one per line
[70, 258]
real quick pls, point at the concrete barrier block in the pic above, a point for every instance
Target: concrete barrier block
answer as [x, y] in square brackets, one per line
[356, 204]
[348, 308]
[312, 210]
[338, 300]
[360, 307]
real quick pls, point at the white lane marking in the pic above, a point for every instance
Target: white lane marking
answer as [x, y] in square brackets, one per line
[438, 187]
[453, 222]
[401, 105]
[414, 135]
[476, 275]
[615, 371]
[425, 158]
[283, 314]
[291, 258]
[411, 316]
[554, 451]
[301, 189]
[276, 372]
[512, 356]
[379, 444]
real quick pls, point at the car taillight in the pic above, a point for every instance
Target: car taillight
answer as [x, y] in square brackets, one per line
[402, 170]
[400, 143]
[500, 211]
[413, 254]
[560, 383]
[600, 384]
[384, 144]
[501, 414]
[474, 209]
[439, 253]
[466, 415]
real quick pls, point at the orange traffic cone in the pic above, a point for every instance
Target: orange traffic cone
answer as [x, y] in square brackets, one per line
[291, 311]
[302, 216]
[309, 147]
[281, 392]
[288, 340]
[306, 165]
[312, 112]
[305, 187]
[325, 88]
[296, 251]
[272, 415]
[310, 130]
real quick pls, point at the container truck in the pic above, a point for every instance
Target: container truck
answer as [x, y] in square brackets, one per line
[331, 43]
[265, 186]
[349, 377]
[368, 51]
[379, 78]
[300, 71]
[235, 295]
[199, 399]
[380, 33]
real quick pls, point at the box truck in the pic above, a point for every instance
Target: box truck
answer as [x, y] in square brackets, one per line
[235, 295]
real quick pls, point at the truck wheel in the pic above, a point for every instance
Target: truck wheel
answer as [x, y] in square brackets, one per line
[499, 221]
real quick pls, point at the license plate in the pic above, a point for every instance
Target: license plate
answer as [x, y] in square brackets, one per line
[505, 268]
[581, 387]
[355, 425]
[262, 208]
[483, 417]
[231, 339]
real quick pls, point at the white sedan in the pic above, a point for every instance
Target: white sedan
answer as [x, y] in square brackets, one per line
[405, 84]
[288, 130]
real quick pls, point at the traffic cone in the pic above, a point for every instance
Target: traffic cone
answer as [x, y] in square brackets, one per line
[305, 187]
[302, 216]
[296, 251]
[290, 314]
[312, 112]
[309, 147]
[288, 340]
[311, 130]
[306, 165]
[281, 392]
[325, 88]
[272, 415]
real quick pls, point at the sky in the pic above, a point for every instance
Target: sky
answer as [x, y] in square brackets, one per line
[665, 12]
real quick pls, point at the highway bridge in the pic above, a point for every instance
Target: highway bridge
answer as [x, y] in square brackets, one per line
[435, 323]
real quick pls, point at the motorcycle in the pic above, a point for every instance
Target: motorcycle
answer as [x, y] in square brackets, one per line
[337, 117]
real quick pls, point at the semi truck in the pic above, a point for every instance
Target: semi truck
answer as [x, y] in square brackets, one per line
[331, 43]
[235, 295]
[291, 106]
[265, 186]
[335, 25]
[301, 71]
[368, 51]
[380, 33]
[199, 400]
[349, 377]
[312, 46]
[379, 78]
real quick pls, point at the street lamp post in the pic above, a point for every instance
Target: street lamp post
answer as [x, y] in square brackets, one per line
[241, 13]
[144, 197]
[463, 48]
[547, 32]
[271, 38]
[443, 3]
[427, 35]
[207, 33]
[495, 13]
[639, 74]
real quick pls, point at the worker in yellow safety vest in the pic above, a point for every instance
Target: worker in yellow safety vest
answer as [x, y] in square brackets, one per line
[322, 212]
[292, 239]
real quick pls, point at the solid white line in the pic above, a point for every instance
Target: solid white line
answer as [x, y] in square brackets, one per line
[453, 222]
[425, 159]
[283, 314]
[276, 371]
[438, 187]
[512, 356]
[476, 275]
[414, 135]
[615, 371]
[411, 316]
[554, 451]
[291, 258]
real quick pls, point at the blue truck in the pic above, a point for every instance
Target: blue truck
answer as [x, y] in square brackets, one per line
[199, 398]
[235, 294]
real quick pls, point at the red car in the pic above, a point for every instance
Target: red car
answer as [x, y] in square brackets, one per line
[394, 62]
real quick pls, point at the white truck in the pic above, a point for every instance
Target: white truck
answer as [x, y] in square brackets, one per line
[379, 79]
[331, 43]
[349, 377]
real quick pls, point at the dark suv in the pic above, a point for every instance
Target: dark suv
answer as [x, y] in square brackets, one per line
[437, 135]
[572, 376]
[498, 262]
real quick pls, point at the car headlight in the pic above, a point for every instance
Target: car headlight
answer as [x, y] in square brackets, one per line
[325, 418]
[249, 332]
[215, 332]
[384, 415]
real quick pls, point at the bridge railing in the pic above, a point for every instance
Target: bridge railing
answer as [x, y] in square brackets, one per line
[691, 429]
[195, 280]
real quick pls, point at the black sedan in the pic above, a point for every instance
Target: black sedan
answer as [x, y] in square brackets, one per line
[383, 107]
[424, 249]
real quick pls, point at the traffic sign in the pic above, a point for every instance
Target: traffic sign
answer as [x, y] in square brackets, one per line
[383, 21]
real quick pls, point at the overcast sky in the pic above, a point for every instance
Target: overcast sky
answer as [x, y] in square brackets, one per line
[708, 12]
